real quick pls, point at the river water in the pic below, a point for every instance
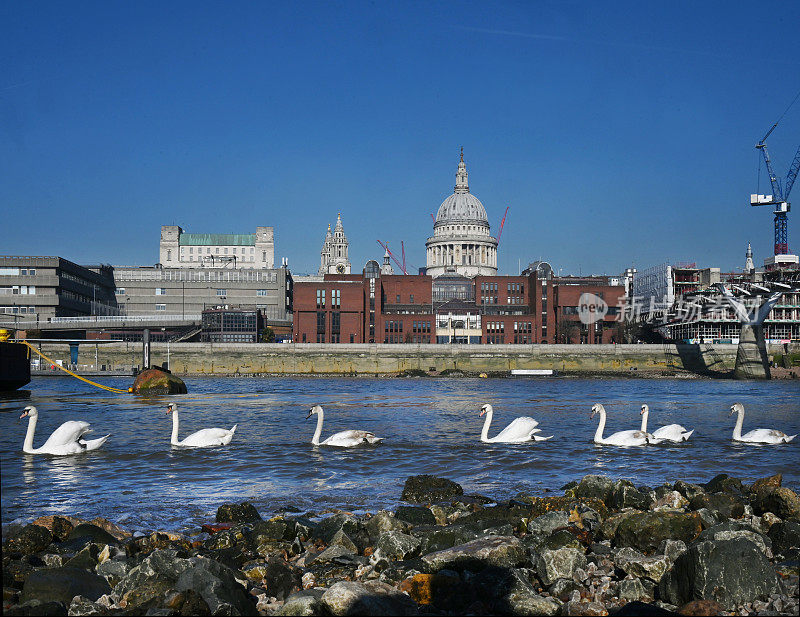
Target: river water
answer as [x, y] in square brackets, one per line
[429, 426]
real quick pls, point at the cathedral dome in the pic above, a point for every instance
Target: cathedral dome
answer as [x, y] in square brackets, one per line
[462, 206]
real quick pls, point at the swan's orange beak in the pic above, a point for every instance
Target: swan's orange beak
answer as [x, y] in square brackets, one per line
[641, 413]
[24, 415]
[483, 411]
[169, 410]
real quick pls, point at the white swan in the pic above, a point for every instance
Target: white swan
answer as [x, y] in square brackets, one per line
[204, 438]
[344, 439]
[622, 438]
[520, 430]
[759, 435]
[66, 439]
[670, 432]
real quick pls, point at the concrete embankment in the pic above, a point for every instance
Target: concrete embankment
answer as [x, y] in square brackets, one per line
[310, 359]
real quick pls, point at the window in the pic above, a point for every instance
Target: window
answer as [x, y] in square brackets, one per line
[222, 292]
[191, 250]
[335, 321]
[261, 292]
[226, 250]
[336, 298]
[161, 307]
[352, 338]
[120, 291]
[398, 299]
[320, 298]
[304, 337]
[169, 255]
[411, 298]
[264, 256]
[320, 323]
[161, 291]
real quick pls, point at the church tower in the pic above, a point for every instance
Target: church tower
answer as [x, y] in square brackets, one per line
[334, 258]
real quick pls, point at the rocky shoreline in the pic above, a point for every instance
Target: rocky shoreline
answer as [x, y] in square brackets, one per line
[605, 547]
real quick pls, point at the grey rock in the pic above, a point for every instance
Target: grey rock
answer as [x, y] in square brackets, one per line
[632, 562]
[340, 538]
[730, 572]
[370, 598]
[646, 530]
[415, 515]
[560, 563]
[547, 523]
[30, 539]
[113, 570]
[237, 513]
[723, 504]
[731, 530]
[85, 606]
[92, 533]
[624, 495]
[599, 487]
[331, 554]
[503, 551]
[439, 538]
[631, 589]
[688, 490]
[563, 588]
[394, 545]
[327, 528]
[382, 522]
[280, 578]
[430, 489]
[785, 537]
[63, 584]
[302, 603]
[671, 549]
[277, 528]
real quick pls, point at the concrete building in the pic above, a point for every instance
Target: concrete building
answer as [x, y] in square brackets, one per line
[45, 287]
[461, 241]
[183, 291]
[178, 249]
[334, 257]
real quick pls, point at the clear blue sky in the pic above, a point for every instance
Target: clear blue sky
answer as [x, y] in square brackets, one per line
[619, 133]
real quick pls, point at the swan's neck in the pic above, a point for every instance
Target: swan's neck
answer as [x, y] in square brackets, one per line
[644, 422]
[27, 445]
[737, 430]
[174, 439]
[318, 432]
[486, 423]
[601, 426]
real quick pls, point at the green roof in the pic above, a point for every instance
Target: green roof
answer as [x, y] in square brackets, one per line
[217, 239]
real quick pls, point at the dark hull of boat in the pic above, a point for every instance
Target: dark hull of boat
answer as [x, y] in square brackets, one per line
[15, 366]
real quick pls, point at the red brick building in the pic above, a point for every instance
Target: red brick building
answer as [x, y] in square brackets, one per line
[377, 308]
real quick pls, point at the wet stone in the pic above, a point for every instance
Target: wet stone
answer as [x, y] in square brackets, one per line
[426, 489]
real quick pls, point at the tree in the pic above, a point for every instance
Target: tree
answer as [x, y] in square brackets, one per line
[267, 335]
[565, 329]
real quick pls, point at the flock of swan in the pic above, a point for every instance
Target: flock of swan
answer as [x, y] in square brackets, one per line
[69, 437]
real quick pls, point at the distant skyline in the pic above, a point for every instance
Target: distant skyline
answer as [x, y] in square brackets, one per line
[619, 134]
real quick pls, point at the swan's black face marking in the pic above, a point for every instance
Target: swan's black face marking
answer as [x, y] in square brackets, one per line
[311, 412]
[484, 409]
[28, 411]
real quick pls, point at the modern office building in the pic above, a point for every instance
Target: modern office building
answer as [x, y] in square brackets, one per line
[45, 287]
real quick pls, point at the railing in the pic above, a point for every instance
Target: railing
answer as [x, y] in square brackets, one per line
[96, 321]
[126, 318]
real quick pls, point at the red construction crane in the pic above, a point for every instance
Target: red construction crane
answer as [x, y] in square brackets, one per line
[399, 265]
[503, 222]
[433, 218]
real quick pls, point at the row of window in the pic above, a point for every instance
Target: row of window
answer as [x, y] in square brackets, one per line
[336, 298]
[17, 290]
[14, 310]
[393, 326]
[17, 271]
[421, 326]
[410, 298]
[216, 250]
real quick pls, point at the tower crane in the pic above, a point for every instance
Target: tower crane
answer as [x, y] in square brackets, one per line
[780, 194]
[502, 223]
[400, 265]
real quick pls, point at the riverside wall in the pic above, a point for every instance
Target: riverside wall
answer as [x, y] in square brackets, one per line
[381, 359]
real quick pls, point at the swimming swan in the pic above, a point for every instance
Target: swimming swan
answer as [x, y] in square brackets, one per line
[759, 435]
[622, 438]
[66, 439]
[344, 439]
[520, 430]
[204, 438]
[670, 432]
